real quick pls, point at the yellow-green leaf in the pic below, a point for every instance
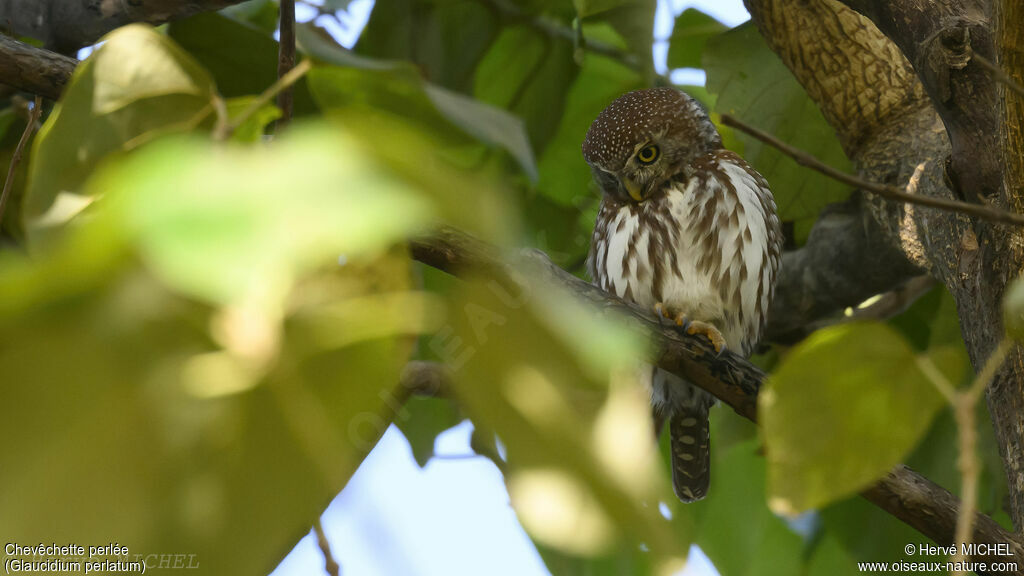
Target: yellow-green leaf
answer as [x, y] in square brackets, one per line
[842, 409]
[137, 85]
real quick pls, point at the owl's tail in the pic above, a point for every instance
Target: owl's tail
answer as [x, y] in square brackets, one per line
[691, 451]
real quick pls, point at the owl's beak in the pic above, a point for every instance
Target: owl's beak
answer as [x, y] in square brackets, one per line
[636, 191]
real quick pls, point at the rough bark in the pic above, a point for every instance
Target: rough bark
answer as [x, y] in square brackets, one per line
[1006, 397]
[846, 261]
[902, 90]
[38, 71]
[67, 25]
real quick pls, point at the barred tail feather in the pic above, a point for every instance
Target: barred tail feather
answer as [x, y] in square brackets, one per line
[691, 452]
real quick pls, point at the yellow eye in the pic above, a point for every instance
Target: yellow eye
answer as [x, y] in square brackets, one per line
[648, 154]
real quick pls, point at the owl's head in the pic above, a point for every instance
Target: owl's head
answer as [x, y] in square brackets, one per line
[644, 139]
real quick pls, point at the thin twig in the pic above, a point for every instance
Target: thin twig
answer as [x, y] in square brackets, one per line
[999, 74]
[224, 129]
[286, 61]
[30, 128]
[883, 190]
[330, 564]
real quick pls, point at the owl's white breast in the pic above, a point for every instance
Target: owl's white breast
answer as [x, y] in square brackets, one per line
[708, 247]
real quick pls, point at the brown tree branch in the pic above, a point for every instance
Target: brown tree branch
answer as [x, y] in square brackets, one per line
[34, 70]
[903, 493]
[286, 61]
[67, 25]
[890, 192]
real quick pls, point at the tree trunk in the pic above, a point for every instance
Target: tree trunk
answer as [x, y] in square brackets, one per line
[892, 116]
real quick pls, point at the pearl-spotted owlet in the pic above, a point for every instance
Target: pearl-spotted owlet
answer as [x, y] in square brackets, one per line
[688, 228]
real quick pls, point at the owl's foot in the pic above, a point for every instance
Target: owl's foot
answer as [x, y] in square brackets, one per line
[709, 331]
[679, 319]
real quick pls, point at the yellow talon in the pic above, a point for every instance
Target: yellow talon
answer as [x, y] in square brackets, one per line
[709, 331]
[679, 319]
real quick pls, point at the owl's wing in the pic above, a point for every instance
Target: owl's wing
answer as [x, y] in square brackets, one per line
[749, 240]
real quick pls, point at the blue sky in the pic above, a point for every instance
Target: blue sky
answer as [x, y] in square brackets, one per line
[452, 517]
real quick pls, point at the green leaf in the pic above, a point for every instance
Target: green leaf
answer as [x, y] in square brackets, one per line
[260, 14]
[633, 20]
[844, 523]
[473, 204]
[842, 409]
[137, 85]
[241, 58]
[690, 34]
[398, 90]
[528, 74]
[752, 84]
[433, 36]
[764, 545]
[576, 426]
[1013, 310]
[421, 420]
[564, 177]
[239, 225]
[253, 128]
[586, 8]
[831, 559]
[485, 123]
[127, 416]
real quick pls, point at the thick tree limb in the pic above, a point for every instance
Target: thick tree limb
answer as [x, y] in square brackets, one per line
[33, 70]
[67, 25]
[846, 261]
[942, 40]
[939, 39]
[903, 493]
[943, 110]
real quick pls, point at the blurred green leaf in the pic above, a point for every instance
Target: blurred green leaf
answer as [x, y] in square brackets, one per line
[831, 559]
[843, 523]
[241, 58]
[476, 205]
[842, 409]
[759, 544]
[137, 85]
[752, 84]
[237, 225]
[690, 34]
[538, 369]
[172, 425]
[6, 120]
[421, 420]
[252, 129]
[122, 441]
[625, 559]
[12, 126]
[1013, 310]
[397, 89]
